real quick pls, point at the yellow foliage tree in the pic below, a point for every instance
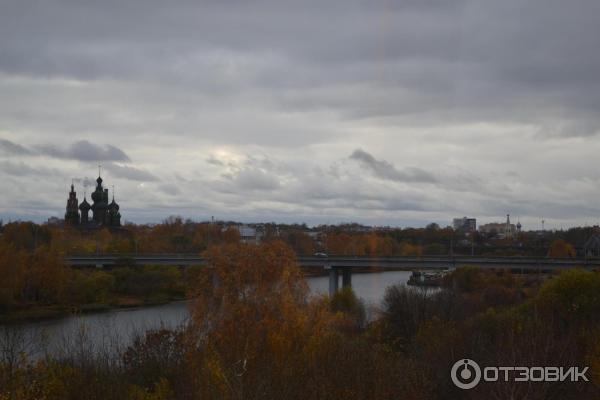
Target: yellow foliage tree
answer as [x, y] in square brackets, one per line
[254, 320]
[48, 276]
[13, 270]
[561, 249]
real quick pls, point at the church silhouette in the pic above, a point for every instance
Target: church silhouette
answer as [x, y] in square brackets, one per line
[103, 213]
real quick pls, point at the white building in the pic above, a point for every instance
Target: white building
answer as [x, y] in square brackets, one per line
[249, 234]
[504, 230]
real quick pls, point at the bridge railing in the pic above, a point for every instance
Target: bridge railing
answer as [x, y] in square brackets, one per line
[340, 257]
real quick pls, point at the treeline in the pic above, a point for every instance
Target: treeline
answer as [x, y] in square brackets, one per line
[36, 282]
[39, 284]
[173, 235]
[176, 235]
[31, 258]
[256, 333]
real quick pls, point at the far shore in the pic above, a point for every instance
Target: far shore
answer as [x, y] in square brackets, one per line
[37, 312]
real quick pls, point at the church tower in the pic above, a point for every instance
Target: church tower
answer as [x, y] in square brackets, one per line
[100, 203]
[84, 207]
[103, 213]
[114, 216]
[72, 214]
[508, 230]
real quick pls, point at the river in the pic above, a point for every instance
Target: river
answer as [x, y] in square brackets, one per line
[112, 330]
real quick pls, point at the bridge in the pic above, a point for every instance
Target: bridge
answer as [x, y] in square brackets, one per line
[336, 265]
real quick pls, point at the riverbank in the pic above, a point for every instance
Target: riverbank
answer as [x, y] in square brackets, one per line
[36, 312]
[309, 272]
[61, 328]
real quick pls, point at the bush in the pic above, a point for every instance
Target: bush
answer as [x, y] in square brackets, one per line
[90, 287]
[346, 302]
[574, 296]
[465, 279]
[561, 249]
[149, 282]
[435, 249]
[155, 355]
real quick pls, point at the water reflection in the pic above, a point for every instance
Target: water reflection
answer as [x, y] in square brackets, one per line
[113, 330]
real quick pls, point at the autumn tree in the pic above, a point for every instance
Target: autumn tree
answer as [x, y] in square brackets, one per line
[573, 296]
[206, 235]
[26, 235]
[47, 276]
[13, 270]
[561, 249]
[408, 249]
[256, 323]
[231, 235]
[301, 243]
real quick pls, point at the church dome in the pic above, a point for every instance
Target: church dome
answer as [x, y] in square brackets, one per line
[84, 205]
[113, 206]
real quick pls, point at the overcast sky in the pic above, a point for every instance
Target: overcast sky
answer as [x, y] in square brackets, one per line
[381, 112]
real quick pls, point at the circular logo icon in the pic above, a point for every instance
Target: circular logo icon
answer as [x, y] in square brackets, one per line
[465, 374]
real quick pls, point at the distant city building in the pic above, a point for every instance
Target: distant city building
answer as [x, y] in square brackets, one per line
[504, 230]
[53, 221]
[313, 235]
[250, 234]
[103, 213]
[592, 246]
[493, 227]
[464, 224]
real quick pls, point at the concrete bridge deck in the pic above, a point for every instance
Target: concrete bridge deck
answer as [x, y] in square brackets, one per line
[424, 262]
[343, 265]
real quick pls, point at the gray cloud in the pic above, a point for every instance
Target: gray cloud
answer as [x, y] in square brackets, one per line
[130, 173]
[83, 150]
[215, 161]
[255, 179]
[21, 169]
[86, 182]
[10, 148]
[169, 189]
[416, 55]
[384, 170]
[254, 107]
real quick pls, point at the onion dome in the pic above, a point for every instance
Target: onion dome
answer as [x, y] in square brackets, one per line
[84, 205]
[113, 206]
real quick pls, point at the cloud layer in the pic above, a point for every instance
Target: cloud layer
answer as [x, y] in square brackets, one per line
[325, 111]
[83, 150]
[384, 170]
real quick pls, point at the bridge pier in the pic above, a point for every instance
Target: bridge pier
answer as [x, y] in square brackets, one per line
[334, 274]
[346, 277]
[333, 281]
